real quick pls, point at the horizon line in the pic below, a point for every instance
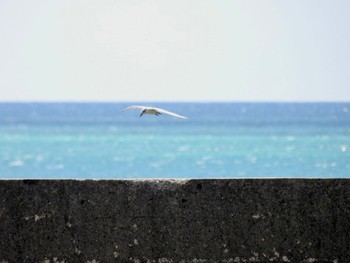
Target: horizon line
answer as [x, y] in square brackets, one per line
[173, 101]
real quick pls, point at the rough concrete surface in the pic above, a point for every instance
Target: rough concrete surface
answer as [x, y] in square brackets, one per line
[238, 220]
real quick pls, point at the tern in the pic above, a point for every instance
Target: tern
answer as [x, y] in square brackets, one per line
[154, 111]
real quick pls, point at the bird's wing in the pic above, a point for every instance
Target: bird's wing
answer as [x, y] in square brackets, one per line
[134, 107]
[170, 113]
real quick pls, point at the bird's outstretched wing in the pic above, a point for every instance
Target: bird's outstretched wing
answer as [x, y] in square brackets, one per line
[134, 107]
[170, 113]
[156, 110]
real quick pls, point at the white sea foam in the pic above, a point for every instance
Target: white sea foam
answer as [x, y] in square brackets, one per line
[16, 163]
[344, 148]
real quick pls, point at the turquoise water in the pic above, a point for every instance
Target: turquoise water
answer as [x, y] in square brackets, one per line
[221, 140]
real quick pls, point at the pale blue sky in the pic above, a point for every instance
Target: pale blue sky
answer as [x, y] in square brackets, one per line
[162, 50]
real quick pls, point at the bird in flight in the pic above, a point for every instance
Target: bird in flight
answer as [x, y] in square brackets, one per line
[154, 111]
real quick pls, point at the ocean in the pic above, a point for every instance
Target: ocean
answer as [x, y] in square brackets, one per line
[219, 140]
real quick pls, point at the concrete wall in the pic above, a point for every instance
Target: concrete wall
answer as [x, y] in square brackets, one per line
[175, 221]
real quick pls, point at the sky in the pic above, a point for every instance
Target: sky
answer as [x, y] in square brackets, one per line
[164, 50]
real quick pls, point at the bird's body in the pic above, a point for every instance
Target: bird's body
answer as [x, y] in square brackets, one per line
[154, 111]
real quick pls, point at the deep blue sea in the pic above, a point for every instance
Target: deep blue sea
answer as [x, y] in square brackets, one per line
[220, 140]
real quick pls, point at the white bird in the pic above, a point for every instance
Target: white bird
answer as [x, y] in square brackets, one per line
[154, 111]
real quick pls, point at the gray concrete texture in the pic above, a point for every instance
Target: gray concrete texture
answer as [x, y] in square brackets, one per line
[238, 220]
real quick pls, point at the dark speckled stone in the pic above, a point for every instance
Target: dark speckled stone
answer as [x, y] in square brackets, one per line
[243, 220]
